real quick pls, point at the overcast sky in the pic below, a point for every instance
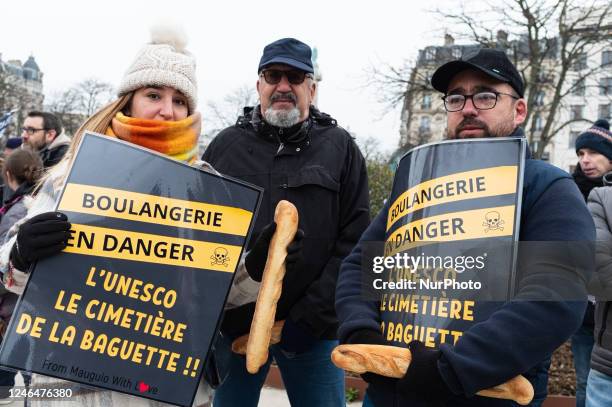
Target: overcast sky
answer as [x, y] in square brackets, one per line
[75, 40]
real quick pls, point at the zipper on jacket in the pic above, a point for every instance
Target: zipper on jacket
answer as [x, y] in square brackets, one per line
[604, 321]
[280, 143]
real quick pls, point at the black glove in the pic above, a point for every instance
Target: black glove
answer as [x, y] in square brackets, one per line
[371, 337]
[423, 376]
[295, 284]
[255, 260]
[295, 338]
[40, 237]
[237, 321]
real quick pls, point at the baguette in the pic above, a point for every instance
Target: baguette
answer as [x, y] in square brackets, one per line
[286, 218]
[392, 361]
[239, 345]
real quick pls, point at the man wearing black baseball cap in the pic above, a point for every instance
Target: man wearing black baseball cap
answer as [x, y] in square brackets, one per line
[294, 152]
[483, 95]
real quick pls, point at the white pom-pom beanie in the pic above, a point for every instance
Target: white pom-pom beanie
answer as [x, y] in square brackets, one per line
[164, 62]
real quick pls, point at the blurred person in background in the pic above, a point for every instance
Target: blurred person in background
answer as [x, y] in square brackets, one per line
[594, 150]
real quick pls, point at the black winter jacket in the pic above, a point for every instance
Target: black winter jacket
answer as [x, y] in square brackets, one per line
[51, 156]
[317, 166]
[600, 205]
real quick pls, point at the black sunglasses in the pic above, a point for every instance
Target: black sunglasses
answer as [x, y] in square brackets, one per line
[274, 76]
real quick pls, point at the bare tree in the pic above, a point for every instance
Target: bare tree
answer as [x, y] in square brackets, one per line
[224, 114]
[395, 86]
[80, 101]
[13, 96]
[94, 94]
[552, 40]
[380, 175]
[8, 89]
[66, 105]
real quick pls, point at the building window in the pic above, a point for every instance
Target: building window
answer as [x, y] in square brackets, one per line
[606, 58]
[539, 123]
[456, 52]
[424, 125]
[545, 76]
[539, 99]
[426, 102]
[605, 112]
[572, 139]
[605, 86]
[576, 112]
[580, 62]
[430, 54]
[578, 87]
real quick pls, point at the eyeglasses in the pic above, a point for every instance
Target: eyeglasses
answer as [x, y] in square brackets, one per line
[31, 130]
[481, 100]
[274, 76]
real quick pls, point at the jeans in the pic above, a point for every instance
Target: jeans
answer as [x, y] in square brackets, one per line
[367, 402]
[7, 381]
[599, 390]
[310, 379]
[582, 345]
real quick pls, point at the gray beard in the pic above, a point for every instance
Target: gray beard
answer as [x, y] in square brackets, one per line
[282, 118]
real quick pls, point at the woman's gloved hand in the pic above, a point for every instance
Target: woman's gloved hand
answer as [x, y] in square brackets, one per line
[40, 237]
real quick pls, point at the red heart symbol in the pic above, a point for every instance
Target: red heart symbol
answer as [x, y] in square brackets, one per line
[142, 386]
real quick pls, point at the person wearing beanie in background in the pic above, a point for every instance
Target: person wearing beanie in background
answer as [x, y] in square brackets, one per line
[156, 109]
[11, 145]
[599, 383]
[295, 152]
[42, 131]
[594, 150]
[21, 171]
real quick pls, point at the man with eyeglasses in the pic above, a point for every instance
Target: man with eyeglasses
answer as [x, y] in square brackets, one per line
[295, 152]
[483, 96]
[42, 131]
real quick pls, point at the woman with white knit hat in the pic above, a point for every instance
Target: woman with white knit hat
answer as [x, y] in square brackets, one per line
[156, 109]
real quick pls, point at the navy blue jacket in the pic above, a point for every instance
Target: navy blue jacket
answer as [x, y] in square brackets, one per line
[520, 335]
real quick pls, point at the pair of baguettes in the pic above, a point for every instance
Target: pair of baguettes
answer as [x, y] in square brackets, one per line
[384, 360]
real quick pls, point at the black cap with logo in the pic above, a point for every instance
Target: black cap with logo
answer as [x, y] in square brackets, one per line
[492, 62]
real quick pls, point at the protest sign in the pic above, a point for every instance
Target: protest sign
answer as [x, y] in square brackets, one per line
[133, 302]
[449, 253]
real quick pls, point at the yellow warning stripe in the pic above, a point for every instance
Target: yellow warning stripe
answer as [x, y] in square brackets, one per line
[452, 188]
[453, 226]
[145, 247]
[116, 203]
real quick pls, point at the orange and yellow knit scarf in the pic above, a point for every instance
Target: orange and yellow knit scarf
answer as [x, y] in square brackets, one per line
[176, 139]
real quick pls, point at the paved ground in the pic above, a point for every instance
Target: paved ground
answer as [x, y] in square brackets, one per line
[270, 397]
[278, 398]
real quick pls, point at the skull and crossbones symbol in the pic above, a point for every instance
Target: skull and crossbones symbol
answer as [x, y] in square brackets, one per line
[493, 222]
[220, 257]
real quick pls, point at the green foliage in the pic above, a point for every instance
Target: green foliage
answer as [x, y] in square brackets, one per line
[380, 175]
[380, 180]
[351, 394]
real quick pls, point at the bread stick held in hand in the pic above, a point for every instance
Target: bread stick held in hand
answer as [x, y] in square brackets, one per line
[392, 361]
[239, 345]
[286, 218]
